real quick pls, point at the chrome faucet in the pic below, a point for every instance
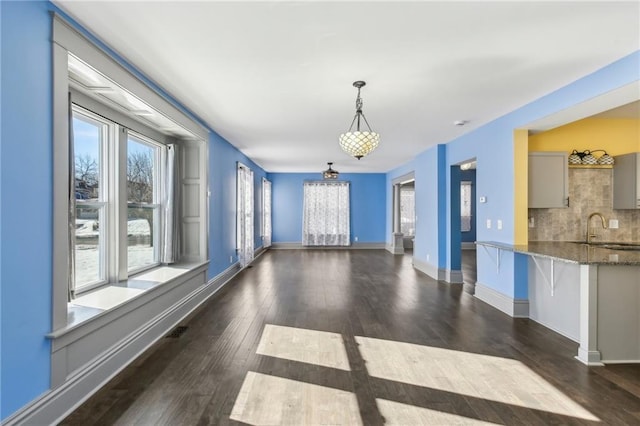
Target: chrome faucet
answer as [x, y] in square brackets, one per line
[604, 226]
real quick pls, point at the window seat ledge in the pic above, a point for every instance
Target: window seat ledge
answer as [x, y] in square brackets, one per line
[112, 301]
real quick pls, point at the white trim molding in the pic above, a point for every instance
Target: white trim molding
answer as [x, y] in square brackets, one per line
[453, 276]
[394, 249]
[431, 270]
[353, 246]
[517, 308]
[54, 405]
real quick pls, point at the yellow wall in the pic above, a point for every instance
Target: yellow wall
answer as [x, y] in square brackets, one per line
[615, 135]
[520, 186]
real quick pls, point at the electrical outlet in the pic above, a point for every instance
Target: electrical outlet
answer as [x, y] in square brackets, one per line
[230, 259]
[532, 222]
[613, 223]
[488, 223]
[482, 199]
[428, 257]
[356, 238]
[499, 224]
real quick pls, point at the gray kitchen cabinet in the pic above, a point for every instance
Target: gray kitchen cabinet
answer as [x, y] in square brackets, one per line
[548, 180]
[626, 181]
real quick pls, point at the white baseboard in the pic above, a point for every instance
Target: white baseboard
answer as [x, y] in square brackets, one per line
[440, 274]
[394, 250]
[453, 276]
[431, 270]
[353, 246]
[542, 323]
[54, 405]
[517, 308]
[592, 358]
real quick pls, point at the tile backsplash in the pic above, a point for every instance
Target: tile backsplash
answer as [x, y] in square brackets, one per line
[590, 190]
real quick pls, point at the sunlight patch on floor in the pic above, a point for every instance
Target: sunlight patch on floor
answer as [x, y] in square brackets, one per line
[269, 400]
[481, 376]
[303, 345]
[396, 413]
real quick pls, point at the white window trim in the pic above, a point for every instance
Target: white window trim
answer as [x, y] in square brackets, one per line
[113, 195]
[108, 139]
[158, 190]
[67, 40]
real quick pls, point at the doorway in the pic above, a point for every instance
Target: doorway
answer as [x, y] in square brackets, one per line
[463, 184]
[403, 214]
[408, 214]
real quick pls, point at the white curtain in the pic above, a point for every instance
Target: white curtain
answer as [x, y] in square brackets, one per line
[326, 214]
[465, 206]
[266, 213]
[170, 248]
[245, 215]
[408, 211]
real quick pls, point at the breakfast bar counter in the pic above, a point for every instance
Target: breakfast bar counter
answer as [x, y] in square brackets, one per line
[588, 293]
[576, 252]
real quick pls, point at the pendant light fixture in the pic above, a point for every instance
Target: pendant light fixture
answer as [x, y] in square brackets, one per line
[330, 173]
[359, 143]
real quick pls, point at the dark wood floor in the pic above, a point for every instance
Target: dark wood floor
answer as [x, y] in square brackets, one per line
[364, 296]
[469, 270]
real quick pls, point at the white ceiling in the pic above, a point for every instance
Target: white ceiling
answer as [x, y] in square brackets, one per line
[274, 78]
[631, 110]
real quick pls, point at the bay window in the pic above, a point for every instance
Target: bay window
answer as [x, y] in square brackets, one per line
[118, 197]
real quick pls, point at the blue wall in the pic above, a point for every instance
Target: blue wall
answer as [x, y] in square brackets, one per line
[26, 199]
[493, 147]
[223, 159]
[368, 201]
[26, 204]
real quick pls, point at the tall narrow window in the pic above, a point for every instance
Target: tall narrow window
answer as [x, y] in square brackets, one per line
[407, 211]
[90, 135]
[245, 243]
[465, 206]
[326, 214]
[266, 213]
[143, 203]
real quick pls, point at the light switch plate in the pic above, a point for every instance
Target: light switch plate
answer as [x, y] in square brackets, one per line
[483, 199]
[499, 224]
[488, 223]
[532, 222]
[613, 223]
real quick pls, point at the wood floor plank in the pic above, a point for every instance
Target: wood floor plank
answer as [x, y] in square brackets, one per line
[454, 359]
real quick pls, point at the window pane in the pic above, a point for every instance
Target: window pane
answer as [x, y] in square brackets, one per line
[87, 144]
[407, 212]
[465, 206]
[140, 171]
[88, 247]
[141, 238]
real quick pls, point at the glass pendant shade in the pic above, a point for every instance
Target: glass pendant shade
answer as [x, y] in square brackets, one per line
[359, 143]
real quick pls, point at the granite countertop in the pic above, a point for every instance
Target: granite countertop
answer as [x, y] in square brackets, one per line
[571, 252]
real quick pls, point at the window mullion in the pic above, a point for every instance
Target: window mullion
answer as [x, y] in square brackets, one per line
[120, 220]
